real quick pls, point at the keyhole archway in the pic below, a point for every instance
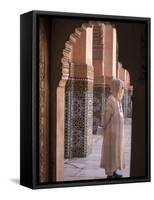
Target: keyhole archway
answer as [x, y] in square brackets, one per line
[104, 67]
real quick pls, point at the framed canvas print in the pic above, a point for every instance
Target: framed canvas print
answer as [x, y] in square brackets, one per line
[85, 99]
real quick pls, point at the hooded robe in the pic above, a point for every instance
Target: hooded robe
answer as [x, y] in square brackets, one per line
[112, 152]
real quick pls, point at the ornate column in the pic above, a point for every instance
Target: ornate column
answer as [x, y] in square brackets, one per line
[99, 93]
[123, 74]
[79, 98]
[129, 89]
[109, 57]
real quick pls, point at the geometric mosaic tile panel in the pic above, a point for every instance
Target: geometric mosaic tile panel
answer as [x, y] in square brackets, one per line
[127, 104]
[98, 106]
[78, 117]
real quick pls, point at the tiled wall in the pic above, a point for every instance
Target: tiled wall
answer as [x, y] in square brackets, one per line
[98, 106]
[78, 118]
[127, 104]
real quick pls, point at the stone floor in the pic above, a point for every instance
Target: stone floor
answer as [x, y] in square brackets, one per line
[88, 167]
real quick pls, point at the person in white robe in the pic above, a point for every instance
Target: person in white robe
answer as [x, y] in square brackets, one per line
[112, 152]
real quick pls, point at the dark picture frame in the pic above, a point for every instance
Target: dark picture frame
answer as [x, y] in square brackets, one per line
[30, 121]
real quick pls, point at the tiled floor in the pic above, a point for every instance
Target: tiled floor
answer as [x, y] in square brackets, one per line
[88, 168]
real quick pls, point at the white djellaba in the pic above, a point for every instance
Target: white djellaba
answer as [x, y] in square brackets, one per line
[112, 151]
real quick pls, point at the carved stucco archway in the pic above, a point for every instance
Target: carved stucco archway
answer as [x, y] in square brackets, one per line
[66, 61]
